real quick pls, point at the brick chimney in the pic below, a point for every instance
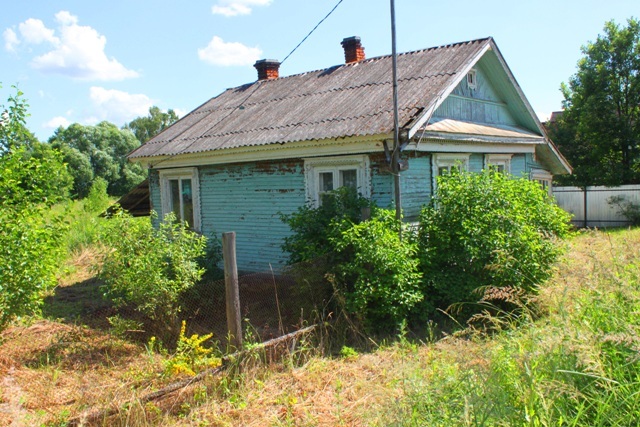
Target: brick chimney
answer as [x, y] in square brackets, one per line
[353, 50]
[267, 69]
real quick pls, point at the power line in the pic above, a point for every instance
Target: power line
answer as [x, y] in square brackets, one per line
[311, 32]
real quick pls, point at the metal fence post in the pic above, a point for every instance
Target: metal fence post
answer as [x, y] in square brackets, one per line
[234, 324]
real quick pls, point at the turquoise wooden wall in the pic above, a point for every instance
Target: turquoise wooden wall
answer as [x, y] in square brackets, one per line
[249, 199]
[154, 195]
[416, 186]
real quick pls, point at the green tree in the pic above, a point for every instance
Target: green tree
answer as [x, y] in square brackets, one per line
[32, 178]
[599, 132]
[99, 151]
[145, 128]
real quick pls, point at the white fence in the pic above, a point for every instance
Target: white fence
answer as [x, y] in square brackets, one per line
[590, 208]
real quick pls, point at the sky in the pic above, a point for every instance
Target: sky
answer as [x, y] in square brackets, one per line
[80, 61]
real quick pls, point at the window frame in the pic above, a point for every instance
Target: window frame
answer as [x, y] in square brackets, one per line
[503, 160]
[313, 167]
[165, 191]
[472, 79]
[442, 160]
[544, 178]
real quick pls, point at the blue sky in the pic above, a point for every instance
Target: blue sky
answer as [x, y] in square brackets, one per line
[87, 61]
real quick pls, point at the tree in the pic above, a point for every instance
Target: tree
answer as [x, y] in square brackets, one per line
[599, 132]
[99, 151]
[145, 128]
[32, 179]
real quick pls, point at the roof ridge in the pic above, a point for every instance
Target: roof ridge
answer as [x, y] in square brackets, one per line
[375, 58]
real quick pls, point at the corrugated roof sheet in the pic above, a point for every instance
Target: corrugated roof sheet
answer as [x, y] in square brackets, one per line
[459, 127]
[346, 100]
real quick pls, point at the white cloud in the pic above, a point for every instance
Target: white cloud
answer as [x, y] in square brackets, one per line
[56, 122]
[218, 52]
[34, 32]
[117, 106]
[10, 40]
[76, 51]
[237, 7]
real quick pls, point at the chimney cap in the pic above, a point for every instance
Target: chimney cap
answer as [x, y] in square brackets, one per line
[352, 39]
[267, 62]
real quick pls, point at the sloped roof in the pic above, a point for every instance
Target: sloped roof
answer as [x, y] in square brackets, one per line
[342, 101]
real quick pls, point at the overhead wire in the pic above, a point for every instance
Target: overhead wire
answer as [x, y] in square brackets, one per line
[210, 128]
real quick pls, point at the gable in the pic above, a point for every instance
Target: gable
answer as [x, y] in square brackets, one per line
[494, 100]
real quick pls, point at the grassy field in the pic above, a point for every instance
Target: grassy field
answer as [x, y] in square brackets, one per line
[576, 364]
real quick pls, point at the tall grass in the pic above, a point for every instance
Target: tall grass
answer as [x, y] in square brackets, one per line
[579, 366]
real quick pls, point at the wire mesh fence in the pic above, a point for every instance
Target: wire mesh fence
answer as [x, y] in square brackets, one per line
[272, 303]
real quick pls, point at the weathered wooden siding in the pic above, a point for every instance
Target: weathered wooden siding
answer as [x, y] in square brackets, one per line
[249, 199]
[481, 105]
[476, 162]
[416, 186]
[519, 165]
[381, 182]
[154, 195]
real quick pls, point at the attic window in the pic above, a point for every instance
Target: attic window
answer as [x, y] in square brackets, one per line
[472, 81]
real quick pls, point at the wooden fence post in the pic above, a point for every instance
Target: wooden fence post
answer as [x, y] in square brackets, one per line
[366, 213]
[234, 324]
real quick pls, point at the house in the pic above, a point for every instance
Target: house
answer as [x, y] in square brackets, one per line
[254, 152]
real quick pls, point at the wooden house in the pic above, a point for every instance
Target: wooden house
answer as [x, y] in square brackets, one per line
[254, 152]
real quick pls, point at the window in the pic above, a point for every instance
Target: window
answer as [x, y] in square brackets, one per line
[500, 162]
[323, 175]
[472, 77]
[544, 178]
[444, 163]
[179, 189]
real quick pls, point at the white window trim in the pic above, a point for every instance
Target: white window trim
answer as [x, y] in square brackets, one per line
[543, 175]
[472, 79]
[314, 166]
[447, 160]
[450, 159]
[497, 160]
[165, 191]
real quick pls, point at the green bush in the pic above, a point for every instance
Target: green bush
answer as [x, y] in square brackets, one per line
[312, 228]
[151, 268]
[30, 236]
[487, 230]
[375, 273]
[378, 273]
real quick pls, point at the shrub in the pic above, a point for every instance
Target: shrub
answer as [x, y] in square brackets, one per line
[30, 236]
[312, 228]
[378, 273]
[627, 209]
[151, 268]
[487, 229]
[375, 272]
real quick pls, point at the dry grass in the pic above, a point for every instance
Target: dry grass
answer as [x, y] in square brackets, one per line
[52, 371]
